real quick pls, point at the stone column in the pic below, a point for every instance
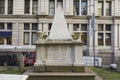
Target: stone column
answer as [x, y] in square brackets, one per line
[6, 6]
[31, 2]
[104, 7]
[115, 43]
[71, 7]
[119, 35]
[115, 35]
[80, 7]
[39, 7]
[116, 9]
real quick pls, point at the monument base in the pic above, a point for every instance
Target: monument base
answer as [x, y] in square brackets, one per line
[60, 75]
[53, 68]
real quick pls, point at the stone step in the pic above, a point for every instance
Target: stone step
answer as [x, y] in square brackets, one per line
[59, 69]
[61, 76]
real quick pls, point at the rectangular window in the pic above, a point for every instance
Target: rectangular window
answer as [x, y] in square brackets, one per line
[27, 7]
[34, 37]
[35, 7]
[34, 26]
[84, 7]
[9, 41]
[10, 6]
[84, 38]
[108, 27]
[76, 7]
[9, 26]
[26, 38]
[51, 7]
[100, 38]
[83, 27]
[2, 26]
[2, 6]
[60, 3]
[108, 8]
[75, 27]
[49, 26]
[100, 27]
[26, 26]
[108, 38]
[1, 40]
[100, 8]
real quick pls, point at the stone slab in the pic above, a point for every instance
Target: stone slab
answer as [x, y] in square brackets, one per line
[59, 68]
[61, 76]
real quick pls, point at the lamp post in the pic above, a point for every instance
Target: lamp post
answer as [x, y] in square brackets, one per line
[93, 29]
[93, 25]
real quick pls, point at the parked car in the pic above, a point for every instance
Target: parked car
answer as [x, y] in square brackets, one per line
[29, 59]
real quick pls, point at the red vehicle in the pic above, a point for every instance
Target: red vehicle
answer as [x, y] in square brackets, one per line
[30, 59]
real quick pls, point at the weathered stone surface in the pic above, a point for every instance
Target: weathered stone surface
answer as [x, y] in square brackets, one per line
[59, 29]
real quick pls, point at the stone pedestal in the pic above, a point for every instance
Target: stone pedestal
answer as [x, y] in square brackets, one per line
[52, 55]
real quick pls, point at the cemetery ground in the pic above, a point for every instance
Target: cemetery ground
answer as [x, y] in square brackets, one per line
[106, 74]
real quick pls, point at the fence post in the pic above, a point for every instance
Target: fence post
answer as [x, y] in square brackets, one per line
[21, 63]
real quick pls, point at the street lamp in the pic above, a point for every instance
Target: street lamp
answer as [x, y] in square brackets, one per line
[93, 28]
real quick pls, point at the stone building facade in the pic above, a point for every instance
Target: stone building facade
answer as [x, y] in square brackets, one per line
[20, 21]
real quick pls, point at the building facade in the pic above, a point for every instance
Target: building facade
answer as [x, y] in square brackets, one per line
[20, 21]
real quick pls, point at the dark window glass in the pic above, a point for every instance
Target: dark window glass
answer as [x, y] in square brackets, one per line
[2, 6]
[9, 26]
[51, 7]
[84, 38]
[76, 7]
[27, 7]
[2, 26]
[76, 27]
[1, 40]
[83, 27]
[10, 6]
[108, 27]
[50, 25]
[34, 26]
[84, 7]
[9, 40]
[26, 26]
[100, 27]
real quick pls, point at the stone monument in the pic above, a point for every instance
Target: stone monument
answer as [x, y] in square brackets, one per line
[59, 57]
[59, 52]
